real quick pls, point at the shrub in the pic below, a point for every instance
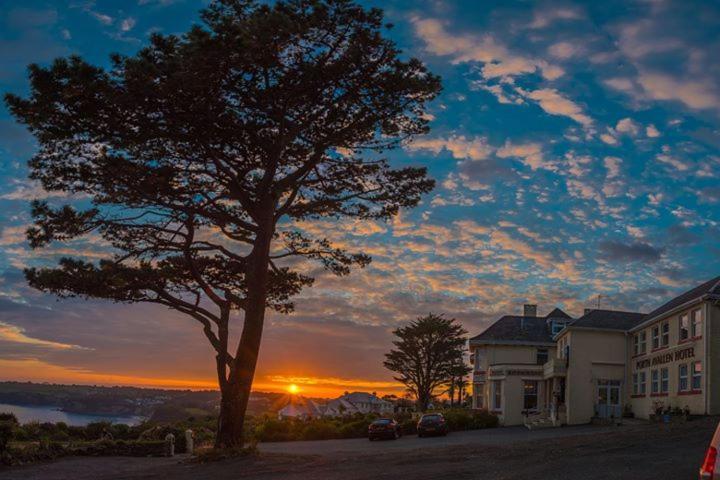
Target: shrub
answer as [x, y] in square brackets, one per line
[320, 430]
[484, 419]
[8, 425]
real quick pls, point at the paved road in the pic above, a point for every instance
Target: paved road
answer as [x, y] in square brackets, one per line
[489, 437]
[638, 452]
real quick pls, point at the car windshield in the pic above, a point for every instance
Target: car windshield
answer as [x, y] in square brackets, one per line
[382, 421]
[431, 418]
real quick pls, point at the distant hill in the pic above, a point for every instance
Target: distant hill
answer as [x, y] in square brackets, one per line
[155, 404]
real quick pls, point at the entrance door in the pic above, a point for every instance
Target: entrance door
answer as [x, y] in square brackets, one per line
[608, 399]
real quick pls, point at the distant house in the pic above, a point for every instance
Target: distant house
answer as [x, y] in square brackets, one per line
[300, 407]
[357, 402]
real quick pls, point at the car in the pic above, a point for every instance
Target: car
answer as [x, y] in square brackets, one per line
[432, 424]
[386, 428]
[710, 470]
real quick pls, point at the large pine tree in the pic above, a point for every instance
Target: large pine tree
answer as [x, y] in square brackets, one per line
[202, 153]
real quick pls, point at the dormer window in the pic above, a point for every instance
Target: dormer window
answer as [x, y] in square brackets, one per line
[556, 326]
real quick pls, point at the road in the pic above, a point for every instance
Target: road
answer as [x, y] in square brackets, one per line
[637, 452]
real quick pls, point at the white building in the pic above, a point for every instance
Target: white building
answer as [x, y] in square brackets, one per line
[357, 402]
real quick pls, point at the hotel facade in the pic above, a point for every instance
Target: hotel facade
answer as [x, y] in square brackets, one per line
[557, 370]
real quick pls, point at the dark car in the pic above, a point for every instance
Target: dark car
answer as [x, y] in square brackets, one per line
[432, 424]
[384, 428]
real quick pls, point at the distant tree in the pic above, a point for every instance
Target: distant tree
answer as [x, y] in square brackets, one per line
[426, 355]
[456, 382]
[202, 154]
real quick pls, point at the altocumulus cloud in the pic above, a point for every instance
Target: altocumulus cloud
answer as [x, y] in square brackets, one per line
[629, 252]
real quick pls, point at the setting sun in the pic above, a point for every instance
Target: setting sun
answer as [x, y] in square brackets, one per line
[292, 388]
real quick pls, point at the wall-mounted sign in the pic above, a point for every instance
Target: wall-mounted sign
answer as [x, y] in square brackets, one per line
[524, 373]
[664, 358]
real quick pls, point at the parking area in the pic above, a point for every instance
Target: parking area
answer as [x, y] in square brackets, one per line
[639, 451]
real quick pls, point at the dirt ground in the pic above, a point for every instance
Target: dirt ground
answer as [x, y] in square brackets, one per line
[647, 451]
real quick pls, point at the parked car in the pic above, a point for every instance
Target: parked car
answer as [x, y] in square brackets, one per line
[384, 428]
[432, 424]
[710, 470]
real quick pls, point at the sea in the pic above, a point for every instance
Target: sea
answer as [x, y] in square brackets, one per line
[31, 413]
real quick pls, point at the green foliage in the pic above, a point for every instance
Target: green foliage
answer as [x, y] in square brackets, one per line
[428, 354]
[8, 425]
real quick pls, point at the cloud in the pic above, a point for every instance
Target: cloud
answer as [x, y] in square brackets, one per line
[554, 103]
[460, 147]
[564, 50]
[695, 93]
[628, 126]
[629, 252]
[531, 153]
[612, 164]
[497, 60]
[544, 16]
[127, 24]
[13, 235]
[14, 334]
[651, 131]
[102, 18]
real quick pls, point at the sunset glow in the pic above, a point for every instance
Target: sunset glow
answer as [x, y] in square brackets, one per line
[294, 389]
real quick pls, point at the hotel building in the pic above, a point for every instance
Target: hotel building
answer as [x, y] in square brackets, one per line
[556, 370]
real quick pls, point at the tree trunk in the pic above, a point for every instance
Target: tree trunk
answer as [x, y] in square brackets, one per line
[236, 395]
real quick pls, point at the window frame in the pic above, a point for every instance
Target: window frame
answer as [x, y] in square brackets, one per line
[636, 383]
[535, 395]
[665, 334]
[538, 355]
[683, 378]
[655, 337]
[664, 380]
[696, 374]
[684, 327]
[497, 395]
[643, 382]
[643, 342]
[654, 381]
[696, 321]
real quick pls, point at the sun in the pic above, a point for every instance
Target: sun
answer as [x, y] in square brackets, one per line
[292, 388]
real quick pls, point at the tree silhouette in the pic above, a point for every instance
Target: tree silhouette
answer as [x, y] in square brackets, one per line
[427, 355]
[203, 153]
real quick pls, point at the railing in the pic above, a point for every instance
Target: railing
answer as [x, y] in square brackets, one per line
[555, 367]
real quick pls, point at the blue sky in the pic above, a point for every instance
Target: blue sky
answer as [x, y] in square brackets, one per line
[575, 148]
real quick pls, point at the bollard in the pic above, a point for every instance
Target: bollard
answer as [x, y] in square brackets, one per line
[189, 441]
[170, 445]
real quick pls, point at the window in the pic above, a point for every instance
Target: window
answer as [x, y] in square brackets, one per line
[697, 376]
[656, 337]
[696, 325]
[556, 327]
[636, 383]
[684, 327]
[497, 395]
[541, 356]
[643, 383]
[478, 360]
[664, 380]
[479, 389]
[655, 377]
[665, 334]
[682, 377]
[530, 389]
[643, 342]
[636, 344]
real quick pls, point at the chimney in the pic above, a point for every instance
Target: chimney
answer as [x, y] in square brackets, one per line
[529, 310]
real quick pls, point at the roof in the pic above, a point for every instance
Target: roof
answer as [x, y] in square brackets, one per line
[709, 287]
[609, 319]
[557, 313]
[516, 328]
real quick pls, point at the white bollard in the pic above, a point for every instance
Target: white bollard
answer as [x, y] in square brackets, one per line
[170, 445]
[189, 441]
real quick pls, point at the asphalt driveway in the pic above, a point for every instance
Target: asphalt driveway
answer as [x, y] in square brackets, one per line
[632, 452]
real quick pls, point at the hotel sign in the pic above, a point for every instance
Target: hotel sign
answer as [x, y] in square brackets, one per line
[522, 373]
[664, 358]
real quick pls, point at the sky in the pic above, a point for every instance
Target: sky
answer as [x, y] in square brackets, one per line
[576, 152]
